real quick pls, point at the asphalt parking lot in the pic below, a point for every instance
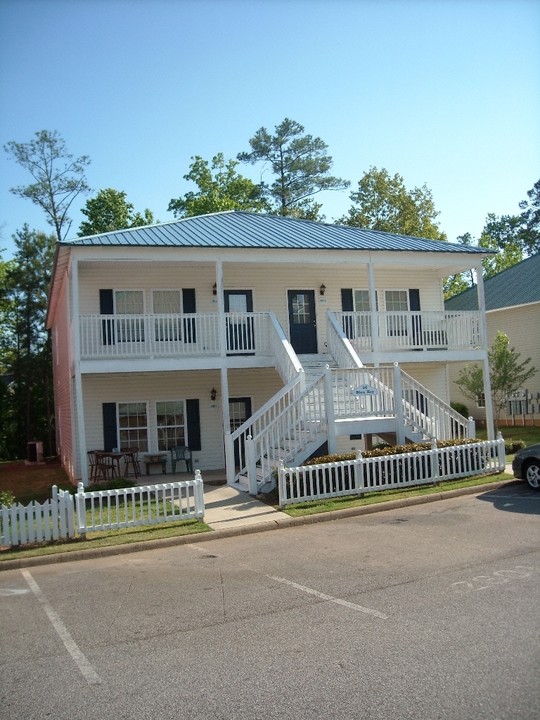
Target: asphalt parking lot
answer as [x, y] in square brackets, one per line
[422, 612]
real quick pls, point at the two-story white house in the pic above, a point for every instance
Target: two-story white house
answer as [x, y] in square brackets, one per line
[255, 339]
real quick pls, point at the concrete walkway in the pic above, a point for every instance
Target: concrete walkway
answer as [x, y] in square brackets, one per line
[226, 507]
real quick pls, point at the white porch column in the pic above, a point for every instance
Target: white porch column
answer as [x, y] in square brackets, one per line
[77, 400]
[375, 339]
[226, 422]
[221, 308]
[490, 425]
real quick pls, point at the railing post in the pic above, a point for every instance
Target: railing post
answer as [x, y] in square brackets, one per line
[398, 406]
[471, 427]
[329, 410]
[229, 458]
[251, 465]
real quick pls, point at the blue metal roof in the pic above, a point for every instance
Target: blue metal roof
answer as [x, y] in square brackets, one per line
[517, 285]
[234, 229]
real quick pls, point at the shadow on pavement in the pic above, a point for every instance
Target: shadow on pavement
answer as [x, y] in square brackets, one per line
[515, 497]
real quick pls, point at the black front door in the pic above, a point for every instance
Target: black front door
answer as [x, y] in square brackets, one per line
[240, 329]
[302, 321]
[239, 412]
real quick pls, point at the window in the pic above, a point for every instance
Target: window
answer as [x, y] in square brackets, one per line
[171, 424]
[169, 303]
[481, 400]
[133, 425]
[397, 308]
[301, 312]
[130, 302]
[362, 304]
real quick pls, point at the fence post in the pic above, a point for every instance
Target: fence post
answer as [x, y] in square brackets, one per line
[80, 503]
[282, 490]
[359, 474]
[199, 495]
[434, 462]
[501, 451]
[471, 427]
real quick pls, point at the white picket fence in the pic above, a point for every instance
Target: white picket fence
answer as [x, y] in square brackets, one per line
[68, 515]
[361, 475]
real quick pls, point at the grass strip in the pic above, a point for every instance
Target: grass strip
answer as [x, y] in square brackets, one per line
[349, 501]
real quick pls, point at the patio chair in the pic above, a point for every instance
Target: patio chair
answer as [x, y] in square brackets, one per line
[131, 458]
[181, 453]
[93, 465]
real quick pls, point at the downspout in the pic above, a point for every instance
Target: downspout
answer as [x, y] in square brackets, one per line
[490, 425]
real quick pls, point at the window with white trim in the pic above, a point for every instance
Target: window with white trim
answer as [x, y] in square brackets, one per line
[362, 304]
[397, 303]
[168, 304]
[129, 302]
[171, 424]
[133, 425]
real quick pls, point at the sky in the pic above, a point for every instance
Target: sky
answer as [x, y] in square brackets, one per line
[444, 92]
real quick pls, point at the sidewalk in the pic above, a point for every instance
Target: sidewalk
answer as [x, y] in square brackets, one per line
[226, 507]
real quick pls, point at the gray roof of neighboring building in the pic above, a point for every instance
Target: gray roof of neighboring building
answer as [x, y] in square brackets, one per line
[517, 285]
[236, 229]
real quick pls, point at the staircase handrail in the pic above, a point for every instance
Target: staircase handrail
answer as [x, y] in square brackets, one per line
[441, 421]
[295, 426]
[286, 360]
[339, 344]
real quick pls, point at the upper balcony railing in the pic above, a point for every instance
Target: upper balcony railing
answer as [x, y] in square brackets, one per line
[165, 336]
[421, 330]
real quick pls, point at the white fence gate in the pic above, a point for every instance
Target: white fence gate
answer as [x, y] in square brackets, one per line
[361, 475]
[67, 515]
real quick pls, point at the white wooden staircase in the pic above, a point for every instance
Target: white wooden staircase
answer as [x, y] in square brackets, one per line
[324, 402]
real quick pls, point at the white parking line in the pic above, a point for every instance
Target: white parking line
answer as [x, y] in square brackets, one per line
[90, 675]
[323, 596]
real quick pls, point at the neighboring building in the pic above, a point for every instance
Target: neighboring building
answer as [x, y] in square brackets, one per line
[215, 332]
[512, 301]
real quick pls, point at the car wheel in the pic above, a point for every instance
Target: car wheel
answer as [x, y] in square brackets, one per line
[532, 474]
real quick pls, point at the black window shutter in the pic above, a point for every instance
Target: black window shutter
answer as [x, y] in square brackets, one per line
[414, 300]
[347, 306]
[347, 300]
[110, 433]
[189, 306]
[106, 307]
[193, 424]
[414, 306]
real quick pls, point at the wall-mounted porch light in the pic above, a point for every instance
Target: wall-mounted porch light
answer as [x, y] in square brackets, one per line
[213, 394]
[322, 289]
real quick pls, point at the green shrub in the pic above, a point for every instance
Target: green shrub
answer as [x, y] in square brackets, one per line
[460, 408]
[512, 446]
[7, 498]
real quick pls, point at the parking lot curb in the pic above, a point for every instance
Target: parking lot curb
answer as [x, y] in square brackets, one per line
[281, 523]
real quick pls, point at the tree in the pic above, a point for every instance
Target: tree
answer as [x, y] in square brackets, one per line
[530, 217]
[507, 374]
[504, 235]
[221, 188]
[456, 284]
[382, 202]
[300, 165]
[26, 350]
[109, 211]
[58, 177]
